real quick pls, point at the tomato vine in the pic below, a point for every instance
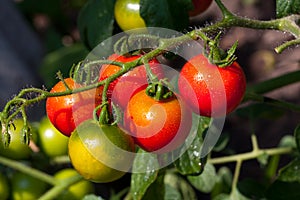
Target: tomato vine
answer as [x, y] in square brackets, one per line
[29, 96]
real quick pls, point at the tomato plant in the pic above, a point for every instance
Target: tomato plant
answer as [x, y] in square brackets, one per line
[209, 83]
[66, 112]
[160, 126]
[26, 187]
[127, 14]
[16, 149]
[121, 89]
[95, 153]
[76, 191]
[4, 187]
[199, 7]
[194, 117]
[51, 141]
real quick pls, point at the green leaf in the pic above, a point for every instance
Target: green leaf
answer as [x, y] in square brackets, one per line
[96, 22]
[288, 141]
[178, 188]
[223, 182]
[251, 188]
[156, 189]
[172, 193]
[61, 60]
[140, 182]
[222, 142]
[287, 7]
[291, 172]
[283, 190]
[260, 111]
[222, 197]
[234, 195]
[172, 14]
[92, 197]
[206, 181]
[263, 159]
[191, 162]
[297, 136]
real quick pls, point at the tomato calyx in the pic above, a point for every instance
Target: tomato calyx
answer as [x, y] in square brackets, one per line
[158, 91]
[215, 54]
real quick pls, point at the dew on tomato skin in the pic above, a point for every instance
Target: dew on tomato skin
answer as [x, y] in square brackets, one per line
[199, 77]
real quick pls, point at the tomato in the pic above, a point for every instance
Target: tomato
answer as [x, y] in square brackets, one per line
[51, 141]
[218, 90]
[159, 126]
[100, 153]
[76, 191]
[127, 14]
[16, 149]
[4, 187]
[25, 187]
[66, 112]
[199, 7]
[121, 89]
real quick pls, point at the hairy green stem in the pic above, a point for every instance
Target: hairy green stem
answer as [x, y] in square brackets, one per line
[28, 170]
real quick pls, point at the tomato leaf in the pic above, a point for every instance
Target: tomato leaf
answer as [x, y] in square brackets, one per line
[260, 111]
[291, 172]
[61, 60]
[280, 190]
[156, 190]
[178, 188]
[92, 197]
[223, 182]
[96, 22]
[172, 14]
[191, 162]
[285, 8]
[297, 136]
[206, 181]
[251, 188]
[141, 181]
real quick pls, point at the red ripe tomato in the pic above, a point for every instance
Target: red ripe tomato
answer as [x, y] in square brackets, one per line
[199, 7]
[67, 112]
[159, 126]
[121, 89]
[210, 90]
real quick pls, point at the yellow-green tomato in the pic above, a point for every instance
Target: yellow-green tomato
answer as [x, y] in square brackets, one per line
[25, 187]
[4, 187]
[75, 191]
[127, 14]
[51, 141]
[17, 149]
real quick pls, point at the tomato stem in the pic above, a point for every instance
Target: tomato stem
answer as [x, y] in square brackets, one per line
[14, 164]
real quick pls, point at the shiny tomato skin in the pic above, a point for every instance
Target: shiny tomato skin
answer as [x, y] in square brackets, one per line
[199, 7]
[127, 14]
[52, 142]
[67, 112]
[202, 84]
[122, 88]
[157, 126]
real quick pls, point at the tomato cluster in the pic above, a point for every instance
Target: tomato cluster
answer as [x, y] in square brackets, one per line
[153, 123]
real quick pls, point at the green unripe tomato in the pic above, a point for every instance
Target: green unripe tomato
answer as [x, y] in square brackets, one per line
[51, 141]
[17, 149]
[127, 14]
[4, 187]
[25, 187]
[76, 191]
